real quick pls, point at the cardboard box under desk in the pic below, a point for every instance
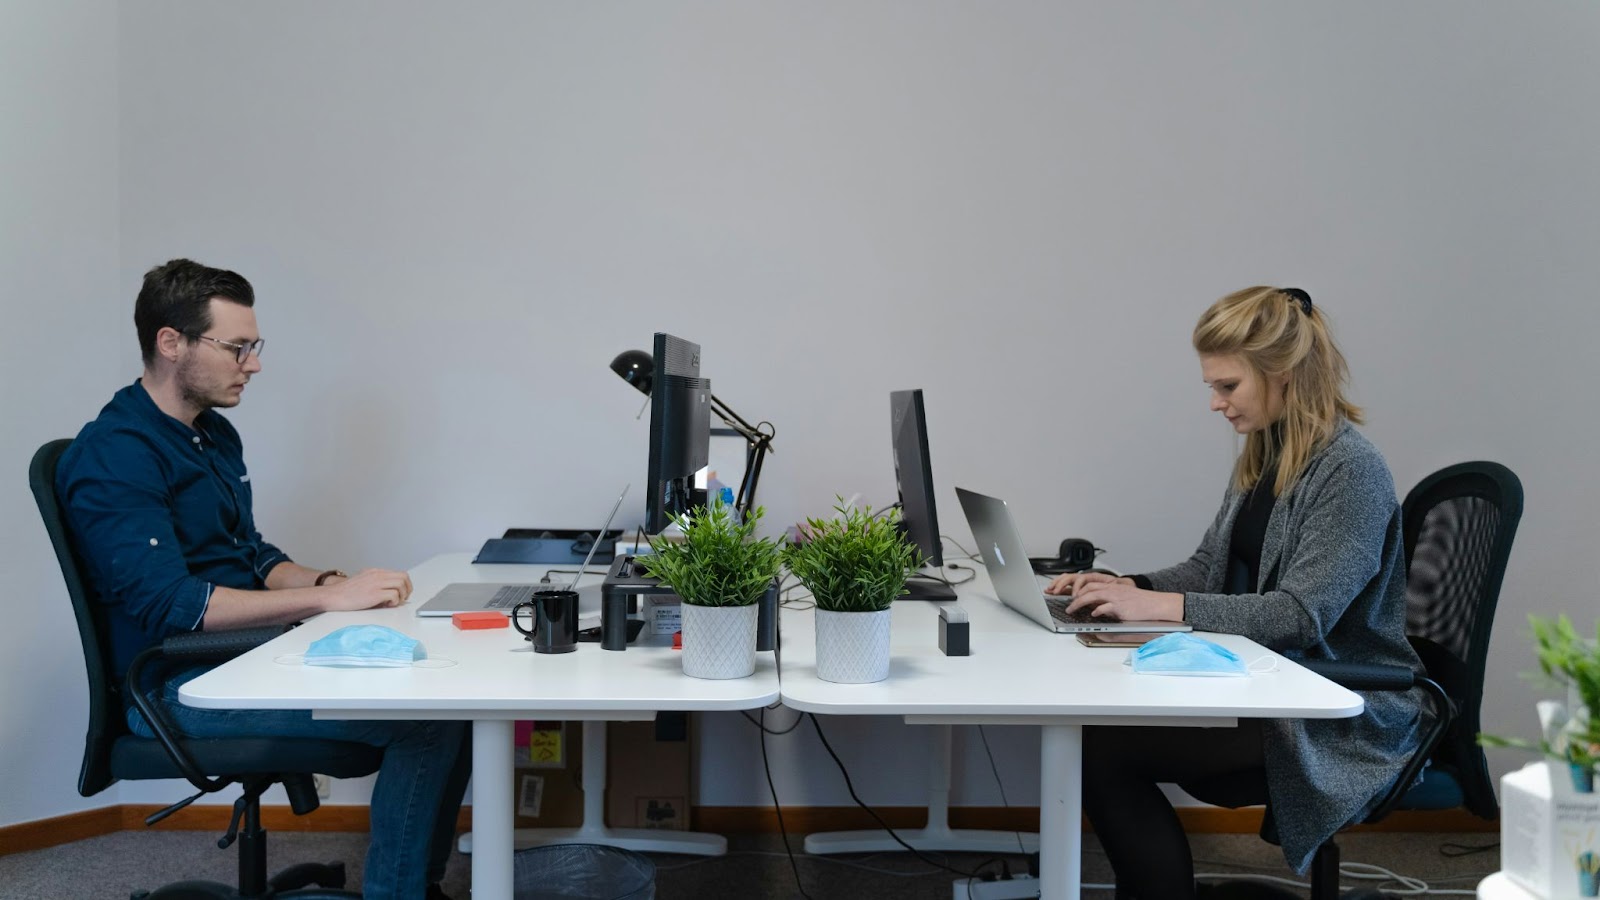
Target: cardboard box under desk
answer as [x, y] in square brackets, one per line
[548, 783]
[647, 780]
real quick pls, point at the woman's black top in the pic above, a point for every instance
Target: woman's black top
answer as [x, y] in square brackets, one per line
[1249, 533]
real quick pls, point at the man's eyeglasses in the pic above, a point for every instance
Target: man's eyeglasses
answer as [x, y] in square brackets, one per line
[240, 351]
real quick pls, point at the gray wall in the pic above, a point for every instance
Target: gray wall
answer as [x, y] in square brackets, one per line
[58, 354]
[454, 217]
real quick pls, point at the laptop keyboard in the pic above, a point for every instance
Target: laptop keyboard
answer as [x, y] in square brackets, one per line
[1058, 611]
[510, 596]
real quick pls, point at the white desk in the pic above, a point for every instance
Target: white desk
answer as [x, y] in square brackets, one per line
[1019, 673]
[491, 685]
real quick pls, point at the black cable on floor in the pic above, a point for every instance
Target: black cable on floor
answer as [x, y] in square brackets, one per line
[874, 813]
[767, 767]
[1453, 850]
[1000, 784]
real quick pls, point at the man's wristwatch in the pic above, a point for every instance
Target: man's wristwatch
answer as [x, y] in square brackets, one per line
[321, 579]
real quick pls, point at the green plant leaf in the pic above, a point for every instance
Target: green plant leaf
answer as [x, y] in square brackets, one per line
[855, 561]
[719, 561]
[1572, 661]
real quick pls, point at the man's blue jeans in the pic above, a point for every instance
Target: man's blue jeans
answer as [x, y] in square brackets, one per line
[421, 780]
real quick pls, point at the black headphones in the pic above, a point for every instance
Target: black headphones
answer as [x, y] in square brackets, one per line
[1075, 555]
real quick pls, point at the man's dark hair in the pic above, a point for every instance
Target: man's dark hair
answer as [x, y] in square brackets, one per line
[178, 294]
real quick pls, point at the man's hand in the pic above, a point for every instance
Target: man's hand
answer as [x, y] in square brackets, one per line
[1072, 581]
[368, 589]
[1124, 602]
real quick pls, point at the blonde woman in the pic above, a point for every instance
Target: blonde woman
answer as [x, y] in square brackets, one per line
[1305, 558]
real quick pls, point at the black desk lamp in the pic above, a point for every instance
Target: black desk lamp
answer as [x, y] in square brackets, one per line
[638, 368]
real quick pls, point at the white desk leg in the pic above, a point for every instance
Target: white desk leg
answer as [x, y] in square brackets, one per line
[938, 835]
[594, 830]
[1061, 811]
[492, 809]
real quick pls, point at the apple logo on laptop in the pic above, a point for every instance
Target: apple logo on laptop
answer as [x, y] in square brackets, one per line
[1000, 557]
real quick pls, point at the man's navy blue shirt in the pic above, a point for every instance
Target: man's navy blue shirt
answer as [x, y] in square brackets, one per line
[160, 514]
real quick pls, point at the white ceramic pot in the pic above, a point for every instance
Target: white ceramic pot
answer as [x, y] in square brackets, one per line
[852, 647]
[719, 641]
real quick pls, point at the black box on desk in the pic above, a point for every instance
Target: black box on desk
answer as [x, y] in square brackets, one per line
[955, 638]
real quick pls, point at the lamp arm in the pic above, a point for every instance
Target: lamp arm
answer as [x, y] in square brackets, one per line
[755, 454]
[736, 422]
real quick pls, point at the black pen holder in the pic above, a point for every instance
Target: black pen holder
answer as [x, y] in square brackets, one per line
[955, 638]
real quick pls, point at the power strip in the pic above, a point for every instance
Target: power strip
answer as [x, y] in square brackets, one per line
[1019, 887]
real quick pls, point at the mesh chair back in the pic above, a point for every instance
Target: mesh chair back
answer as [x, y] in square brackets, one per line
[1459, 524]
[106, 722]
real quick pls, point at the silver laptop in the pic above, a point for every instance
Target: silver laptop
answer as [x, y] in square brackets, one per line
[1014, 582]
[472, 596]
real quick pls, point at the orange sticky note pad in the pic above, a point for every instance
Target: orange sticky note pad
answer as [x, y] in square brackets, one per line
[483, 618]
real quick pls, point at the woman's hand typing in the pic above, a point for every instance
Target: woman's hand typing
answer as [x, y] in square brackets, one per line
[1072, 581]
[1120, 599]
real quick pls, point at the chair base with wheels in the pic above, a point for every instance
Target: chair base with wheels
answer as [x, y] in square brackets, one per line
[304, 881]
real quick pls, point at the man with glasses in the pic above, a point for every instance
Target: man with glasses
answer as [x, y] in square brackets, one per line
[159, 504]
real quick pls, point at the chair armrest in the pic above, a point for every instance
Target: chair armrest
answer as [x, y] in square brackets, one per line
[1358, 676]
[1366, 677]
[198, 646]
[217, 646]
[1363, 676]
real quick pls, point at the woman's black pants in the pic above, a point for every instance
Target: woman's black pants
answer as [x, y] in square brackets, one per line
[1137, 826]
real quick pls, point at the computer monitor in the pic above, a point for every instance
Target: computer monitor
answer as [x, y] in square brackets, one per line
[680, 431]
[913, 477]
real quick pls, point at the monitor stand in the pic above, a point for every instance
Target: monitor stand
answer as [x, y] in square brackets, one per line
[924, 587]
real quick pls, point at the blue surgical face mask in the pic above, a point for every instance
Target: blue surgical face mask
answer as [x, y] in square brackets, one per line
[1181, 653]
[364, 646]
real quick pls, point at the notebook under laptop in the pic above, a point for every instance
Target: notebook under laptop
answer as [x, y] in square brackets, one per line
[471, 596]
[1014, 582]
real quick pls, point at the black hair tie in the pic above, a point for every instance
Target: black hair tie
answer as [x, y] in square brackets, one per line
[1303, 297]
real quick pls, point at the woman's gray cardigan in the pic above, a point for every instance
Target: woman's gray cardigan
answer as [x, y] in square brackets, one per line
[1333, 586]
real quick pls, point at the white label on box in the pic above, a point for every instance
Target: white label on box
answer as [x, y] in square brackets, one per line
[530, 796]
[665, 615]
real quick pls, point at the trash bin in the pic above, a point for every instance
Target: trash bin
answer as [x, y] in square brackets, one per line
[582, 872]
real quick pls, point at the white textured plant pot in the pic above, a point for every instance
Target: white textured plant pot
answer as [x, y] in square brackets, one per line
[719, 641]
[853, 647]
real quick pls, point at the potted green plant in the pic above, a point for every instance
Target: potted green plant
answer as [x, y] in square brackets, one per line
[1570, 734]
[720, 570]
[855, 565]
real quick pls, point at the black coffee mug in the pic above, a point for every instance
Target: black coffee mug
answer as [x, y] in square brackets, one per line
[555, 621]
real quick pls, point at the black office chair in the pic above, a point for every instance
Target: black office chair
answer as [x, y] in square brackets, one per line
[112, 753]
[1458, 527]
